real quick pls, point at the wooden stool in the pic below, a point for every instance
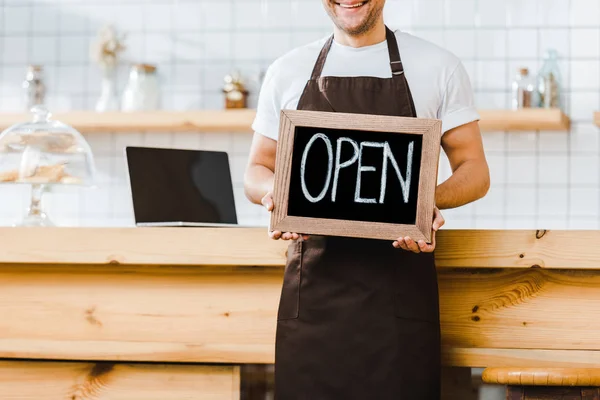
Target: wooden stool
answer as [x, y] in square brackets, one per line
[546, 383]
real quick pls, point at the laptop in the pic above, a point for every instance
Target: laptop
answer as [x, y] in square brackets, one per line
[175, 187]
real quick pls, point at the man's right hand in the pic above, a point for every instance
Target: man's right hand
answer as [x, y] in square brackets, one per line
[267, 202]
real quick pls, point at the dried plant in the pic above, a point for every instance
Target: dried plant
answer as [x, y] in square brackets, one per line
[105, 50]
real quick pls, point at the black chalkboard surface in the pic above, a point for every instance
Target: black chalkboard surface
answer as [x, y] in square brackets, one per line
[330, 185]
[356, 175]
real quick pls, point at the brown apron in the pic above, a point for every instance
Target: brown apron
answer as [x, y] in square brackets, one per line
[357, 319]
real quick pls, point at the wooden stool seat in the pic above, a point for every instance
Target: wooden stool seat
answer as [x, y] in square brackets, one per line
[542, 376]
[546, 383]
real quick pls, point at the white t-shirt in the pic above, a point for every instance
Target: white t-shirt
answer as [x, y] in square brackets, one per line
[438, 81]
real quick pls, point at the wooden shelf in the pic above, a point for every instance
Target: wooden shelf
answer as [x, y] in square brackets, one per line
[155, 121]
[533, 119]
[597, 118]
[241, 120]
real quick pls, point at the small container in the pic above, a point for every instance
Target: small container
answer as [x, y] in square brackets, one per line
[523, 90]
[236, 95]
[33, 87]
[44, 152]
[142, 91]
[549, 82]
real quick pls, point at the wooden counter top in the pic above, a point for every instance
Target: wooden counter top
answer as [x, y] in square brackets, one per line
[252, 247]
[129, 295]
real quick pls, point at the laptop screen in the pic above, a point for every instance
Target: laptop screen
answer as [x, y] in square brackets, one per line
[172, 185]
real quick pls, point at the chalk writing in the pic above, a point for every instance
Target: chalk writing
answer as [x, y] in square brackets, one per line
[405, 183]
[345, 164]
[387, 157]
[303, 168]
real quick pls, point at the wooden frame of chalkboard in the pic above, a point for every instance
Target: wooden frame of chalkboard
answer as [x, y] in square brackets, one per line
[428, 133]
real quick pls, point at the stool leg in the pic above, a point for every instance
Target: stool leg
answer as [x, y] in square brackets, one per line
[515, 393]
[590, 394]
[457, 384]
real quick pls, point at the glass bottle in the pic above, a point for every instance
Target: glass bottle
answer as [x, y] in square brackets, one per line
[108, 100]
[33, 87]
[523, 90]
[549, 81]
[141, 92]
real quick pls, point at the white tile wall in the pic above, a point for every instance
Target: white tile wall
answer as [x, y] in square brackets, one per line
[539, 179]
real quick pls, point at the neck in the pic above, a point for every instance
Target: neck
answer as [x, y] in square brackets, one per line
[373, 36]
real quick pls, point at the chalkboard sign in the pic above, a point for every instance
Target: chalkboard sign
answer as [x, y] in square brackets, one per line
[356, 175]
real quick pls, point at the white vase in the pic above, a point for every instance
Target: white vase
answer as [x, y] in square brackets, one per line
[108, 100]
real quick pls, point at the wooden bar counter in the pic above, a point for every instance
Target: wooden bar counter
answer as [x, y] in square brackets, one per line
[171, 313]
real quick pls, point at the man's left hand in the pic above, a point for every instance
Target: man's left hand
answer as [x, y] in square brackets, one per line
[407, 243]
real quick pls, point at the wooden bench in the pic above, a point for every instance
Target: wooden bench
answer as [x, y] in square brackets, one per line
[201, 301]
[546, 383]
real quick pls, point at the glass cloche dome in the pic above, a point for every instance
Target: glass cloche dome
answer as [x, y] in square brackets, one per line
[44, 152]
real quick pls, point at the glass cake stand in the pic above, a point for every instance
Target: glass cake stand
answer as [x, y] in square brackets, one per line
[44, 153]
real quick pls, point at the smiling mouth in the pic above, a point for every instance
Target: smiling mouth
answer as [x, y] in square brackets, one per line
[355, 5]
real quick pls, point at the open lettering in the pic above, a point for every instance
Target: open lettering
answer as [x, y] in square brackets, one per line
[334, 165]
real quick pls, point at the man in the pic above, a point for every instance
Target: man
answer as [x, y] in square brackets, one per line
[359, 319]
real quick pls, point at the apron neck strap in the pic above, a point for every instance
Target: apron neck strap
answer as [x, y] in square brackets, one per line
[395, 61]
[318, 68]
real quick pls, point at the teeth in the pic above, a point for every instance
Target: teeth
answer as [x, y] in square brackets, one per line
[351, 5]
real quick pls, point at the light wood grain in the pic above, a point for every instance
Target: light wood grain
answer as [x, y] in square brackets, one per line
[228, 315]
[251, 246]
[139, 314]
[542, 376]
[346, 228]
[283, 173]
[518, 249]
[428, 181]
[241, 120]
[366, 122]
[153, 121]
[151, 246]
[524, 120]
[29, 380]
[597, 118]
[429, 129]
[474, 357]
[529, 309]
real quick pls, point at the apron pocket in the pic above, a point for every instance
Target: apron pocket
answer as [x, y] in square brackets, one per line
[289, 303]
[415, 288]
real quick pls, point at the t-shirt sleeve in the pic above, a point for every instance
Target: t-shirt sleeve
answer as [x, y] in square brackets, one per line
[268, 108]
[458, 103]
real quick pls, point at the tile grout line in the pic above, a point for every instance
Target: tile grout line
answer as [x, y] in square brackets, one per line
[536, 178]
[508, 105]
[570, 137]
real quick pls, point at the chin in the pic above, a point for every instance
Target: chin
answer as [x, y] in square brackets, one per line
[353, 28]
[358, 22]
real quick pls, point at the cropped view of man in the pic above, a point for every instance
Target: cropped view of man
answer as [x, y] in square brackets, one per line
[359, 318]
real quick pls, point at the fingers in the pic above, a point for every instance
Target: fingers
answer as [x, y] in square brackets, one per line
[428, 248]
[400, 244]
[406, 244]
[416, 247]
[276, 235]
[411, 245]
[438, 219]
[289, 236]
[424, 247]
[267, 202]
[286, 236]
